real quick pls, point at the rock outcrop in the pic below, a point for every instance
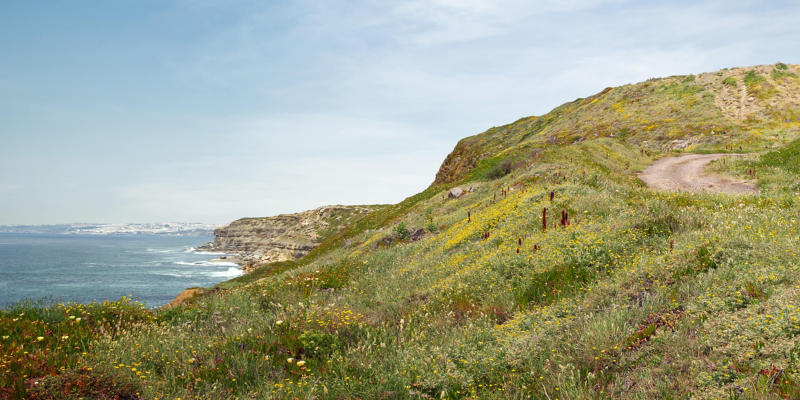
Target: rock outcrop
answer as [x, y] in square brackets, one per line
[260, 241]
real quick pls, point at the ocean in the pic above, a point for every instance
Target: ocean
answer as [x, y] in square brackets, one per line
[84, 268]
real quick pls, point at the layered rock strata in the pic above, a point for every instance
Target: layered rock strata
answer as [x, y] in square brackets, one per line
[260, 241]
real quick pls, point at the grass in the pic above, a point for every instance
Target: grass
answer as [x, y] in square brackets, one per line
[758, 86]
[642, 295]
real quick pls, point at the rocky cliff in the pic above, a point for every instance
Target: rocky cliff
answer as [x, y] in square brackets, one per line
[260, 241]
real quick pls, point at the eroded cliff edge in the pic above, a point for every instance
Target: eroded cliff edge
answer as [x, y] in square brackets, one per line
[260, 241]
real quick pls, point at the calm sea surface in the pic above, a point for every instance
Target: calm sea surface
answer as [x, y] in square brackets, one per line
[87, 267]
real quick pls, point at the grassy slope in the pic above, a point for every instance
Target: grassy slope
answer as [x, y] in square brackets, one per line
[650, 115]
[643, 295]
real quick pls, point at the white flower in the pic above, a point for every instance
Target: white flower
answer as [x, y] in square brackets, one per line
[301, 363]
[290, 360]
[278, 322]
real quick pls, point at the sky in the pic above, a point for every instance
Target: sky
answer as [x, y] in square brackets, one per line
[210, 111]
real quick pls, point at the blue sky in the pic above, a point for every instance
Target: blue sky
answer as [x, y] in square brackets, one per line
[208, 111]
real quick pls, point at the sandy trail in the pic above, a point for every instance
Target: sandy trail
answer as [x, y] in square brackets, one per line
[685, 173]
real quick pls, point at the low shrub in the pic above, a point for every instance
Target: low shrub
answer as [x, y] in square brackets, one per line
[730, 81]
[432, 228]
[500, 170]
[401, 231]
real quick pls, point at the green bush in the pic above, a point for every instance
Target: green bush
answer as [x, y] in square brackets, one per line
[752, 78]
[432, 228]
[778, 74]
[401, 231]
[730, 81]
[500, 170]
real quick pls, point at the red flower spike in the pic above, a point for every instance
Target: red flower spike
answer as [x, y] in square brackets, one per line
[544, 218]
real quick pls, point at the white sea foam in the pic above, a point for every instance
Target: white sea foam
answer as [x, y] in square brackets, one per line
[193, 250]
[188, 263]
[208, 263]
[162, 251]
[223, 264]
[231, 272]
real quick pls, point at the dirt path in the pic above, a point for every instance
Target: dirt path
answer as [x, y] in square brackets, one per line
[685, 173]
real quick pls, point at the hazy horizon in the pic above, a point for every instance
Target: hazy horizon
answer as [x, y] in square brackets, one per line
[195, 110]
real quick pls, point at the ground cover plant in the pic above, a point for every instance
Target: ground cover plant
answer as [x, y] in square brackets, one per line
[560, 278]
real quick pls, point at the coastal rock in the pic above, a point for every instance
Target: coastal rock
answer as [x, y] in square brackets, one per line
[184, 296]
[455, 193]
[260, 241]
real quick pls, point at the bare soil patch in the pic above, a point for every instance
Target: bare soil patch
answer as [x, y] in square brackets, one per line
[685, 173]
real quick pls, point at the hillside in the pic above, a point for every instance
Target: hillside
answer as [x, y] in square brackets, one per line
[745, 108]
[558, 276]
[260, 241]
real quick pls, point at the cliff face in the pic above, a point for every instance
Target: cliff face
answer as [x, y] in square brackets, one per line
[260, 241]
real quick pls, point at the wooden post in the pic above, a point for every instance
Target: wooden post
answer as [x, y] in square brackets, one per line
[544, 218]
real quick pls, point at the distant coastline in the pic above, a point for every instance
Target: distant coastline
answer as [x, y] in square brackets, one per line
[159, 229]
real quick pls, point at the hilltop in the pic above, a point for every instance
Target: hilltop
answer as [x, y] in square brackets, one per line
[555, 275]
[738, 109]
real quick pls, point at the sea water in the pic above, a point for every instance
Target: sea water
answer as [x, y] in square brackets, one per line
[84, 268]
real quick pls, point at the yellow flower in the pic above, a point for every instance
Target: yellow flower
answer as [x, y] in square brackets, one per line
[278, 322]
[40, 338]
[77, 320]
[65, 337]
[290, 360]
[301, 363]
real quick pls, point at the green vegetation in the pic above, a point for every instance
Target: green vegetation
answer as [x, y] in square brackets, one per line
[758, 86]
[730, 81]
[401, 231]
[752, 78]
[782, 73]
[624, 294]
[432, 228]
[500, 170]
